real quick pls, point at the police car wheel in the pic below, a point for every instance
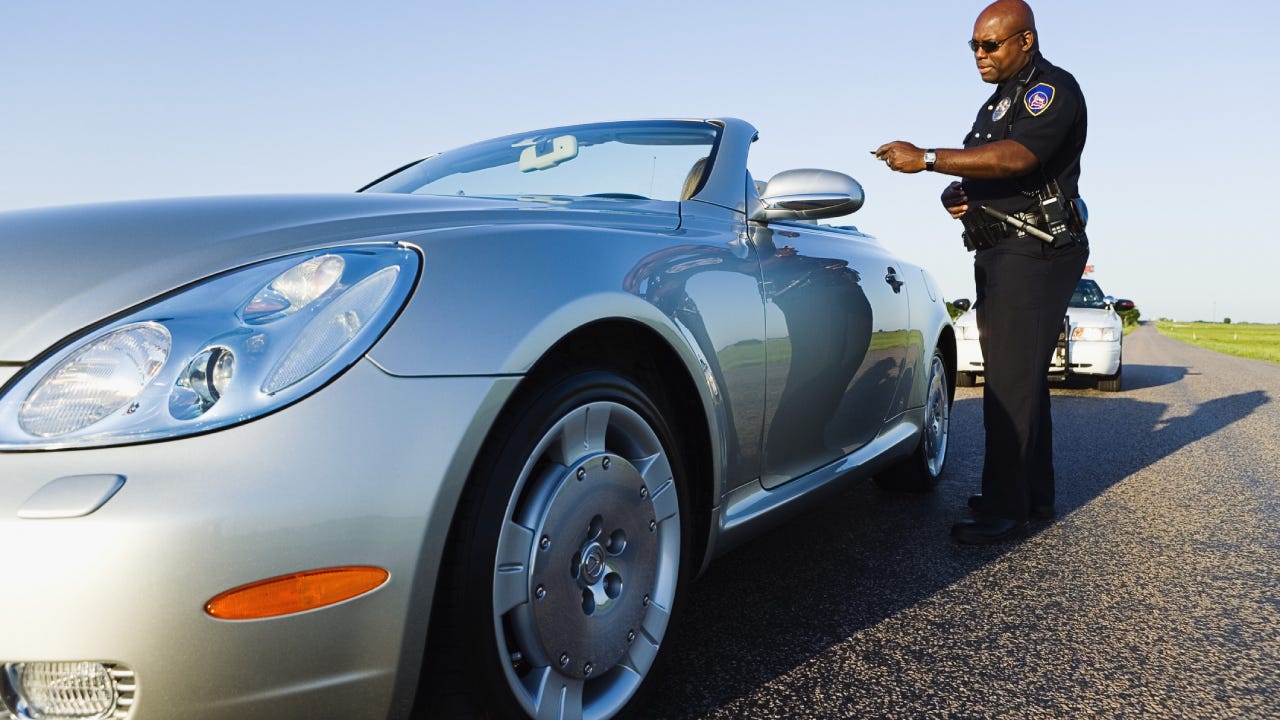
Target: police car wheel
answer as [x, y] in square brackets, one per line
[1110, 383]
[966, 379]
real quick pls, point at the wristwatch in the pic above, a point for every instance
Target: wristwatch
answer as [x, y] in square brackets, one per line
[930, 157]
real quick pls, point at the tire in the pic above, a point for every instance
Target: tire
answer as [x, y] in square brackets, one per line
[966, 379]
[920, 471]
[566, 560]
[1111, 383]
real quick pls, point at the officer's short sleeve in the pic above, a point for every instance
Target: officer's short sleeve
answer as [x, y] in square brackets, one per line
[1048, 111]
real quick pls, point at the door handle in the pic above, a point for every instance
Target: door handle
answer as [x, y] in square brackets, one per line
[892, 279]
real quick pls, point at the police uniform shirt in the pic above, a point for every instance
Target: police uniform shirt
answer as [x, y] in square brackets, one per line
[1048, 117]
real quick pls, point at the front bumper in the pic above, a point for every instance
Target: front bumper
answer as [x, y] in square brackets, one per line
[969, 356]
[365, 472]
[1087, 358]
[1093, 358]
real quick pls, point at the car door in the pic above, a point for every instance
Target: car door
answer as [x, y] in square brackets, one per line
[709, 285]
[837, 340]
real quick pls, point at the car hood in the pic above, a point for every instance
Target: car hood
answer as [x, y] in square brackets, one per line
[67, 268]
[1092, 317]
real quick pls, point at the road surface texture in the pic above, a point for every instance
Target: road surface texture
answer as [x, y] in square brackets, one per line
[1156, 593]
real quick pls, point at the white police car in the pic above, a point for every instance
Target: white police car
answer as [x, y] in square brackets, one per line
[1088, 346]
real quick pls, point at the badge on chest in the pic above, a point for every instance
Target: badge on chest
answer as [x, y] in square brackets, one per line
[1001, 109]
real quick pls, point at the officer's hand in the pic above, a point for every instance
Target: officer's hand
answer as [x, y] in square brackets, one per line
[901, 156]
[955, 200]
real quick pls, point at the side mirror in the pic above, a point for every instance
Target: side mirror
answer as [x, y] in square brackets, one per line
[1122, 305]
[962, 304]
[808, 194]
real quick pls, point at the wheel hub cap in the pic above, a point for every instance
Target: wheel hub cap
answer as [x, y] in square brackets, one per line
[937, 419]
[588, 582]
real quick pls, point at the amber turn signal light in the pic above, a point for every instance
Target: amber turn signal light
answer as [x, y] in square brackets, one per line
[295, 593]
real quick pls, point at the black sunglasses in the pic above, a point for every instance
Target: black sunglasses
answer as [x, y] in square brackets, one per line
[990, 46]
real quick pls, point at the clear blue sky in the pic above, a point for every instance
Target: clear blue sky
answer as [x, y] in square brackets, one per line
[129, 99]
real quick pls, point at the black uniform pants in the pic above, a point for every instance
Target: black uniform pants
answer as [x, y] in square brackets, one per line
[1023, 287]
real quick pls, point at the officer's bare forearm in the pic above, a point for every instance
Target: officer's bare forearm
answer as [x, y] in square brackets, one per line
[997, 160]
[994, 161]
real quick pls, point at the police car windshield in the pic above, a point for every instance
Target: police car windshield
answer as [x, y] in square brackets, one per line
[1088, 295]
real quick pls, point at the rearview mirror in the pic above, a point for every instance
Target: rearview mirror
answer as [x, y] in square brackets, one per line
[808, 194]
[961, 304]
[1122, 305]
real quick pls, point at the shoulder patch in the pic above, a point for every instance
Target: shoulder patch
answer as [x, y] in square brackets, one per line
[1038, 99]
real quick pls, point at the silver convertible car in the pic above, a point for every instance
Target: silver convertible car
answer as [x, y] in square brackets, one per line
[455, 444]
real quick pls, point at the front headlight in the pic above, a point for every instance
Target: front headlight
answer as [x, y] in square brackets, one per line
[221, 352]
[1095, 334]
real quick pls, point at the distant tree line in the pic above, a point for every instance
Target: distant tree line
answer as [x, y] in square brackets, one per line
[1130, 317]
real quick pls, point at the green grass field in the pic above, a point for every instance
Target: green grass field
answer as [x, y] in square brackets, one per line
[1261, 342]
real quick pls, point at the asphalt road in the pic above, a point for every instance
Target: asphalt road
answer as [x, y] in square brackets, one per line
[1156, 594]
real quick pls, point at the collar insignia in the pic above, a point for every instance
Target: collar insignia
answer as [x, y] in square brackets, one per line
[1001, 109]
[1038, 98]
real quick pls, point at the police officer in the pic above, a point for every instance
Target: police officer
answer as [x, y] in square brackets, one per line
[1018, 202]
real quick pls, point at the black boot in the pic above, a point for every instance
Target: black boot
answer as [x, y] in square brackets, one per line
[987, 530]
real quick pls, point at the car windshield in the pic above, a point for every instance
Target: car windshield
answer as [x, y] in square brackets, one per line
[1088, 295]
[653, 160]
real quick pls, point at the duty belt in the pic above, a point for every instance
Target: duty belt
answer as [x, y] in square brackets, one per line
[980, 234]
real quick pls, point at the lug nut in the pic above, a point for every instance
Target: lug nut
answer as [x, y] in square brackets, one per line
[653, 524]
[582, 473]
[564, 659]
[545, 543]
[540, 592]
[631, 635]
[586, 669]
[605, 463]
[645, 601]
[644, 492]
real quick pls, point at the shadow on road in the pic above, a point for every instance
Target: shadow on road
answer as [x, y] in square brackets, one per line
[778, 601]
[1138, 377]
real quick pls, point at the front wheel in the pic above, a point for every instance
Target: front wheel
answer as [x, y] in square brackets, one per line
[1111, 383]
[580, 550]
[922, 469]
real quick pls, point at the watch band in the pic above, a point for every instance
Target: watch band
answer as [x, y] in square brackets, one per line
[930, 157]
